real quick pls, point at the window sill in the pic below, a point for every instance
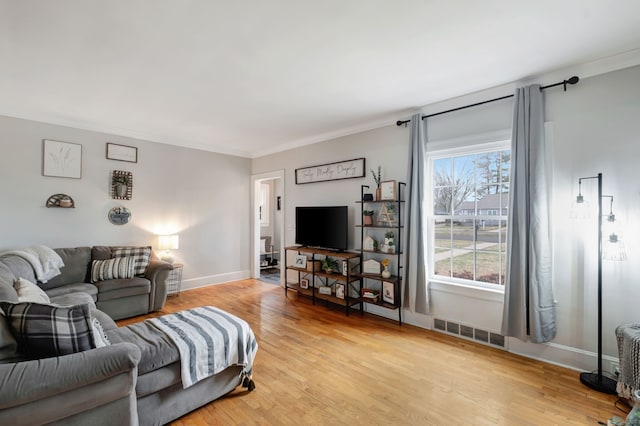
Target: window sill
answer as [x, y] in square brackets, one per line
[490, 294]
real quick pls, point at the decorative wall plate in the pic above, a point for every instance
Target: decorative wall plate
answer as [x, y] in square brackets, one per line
[119, 215]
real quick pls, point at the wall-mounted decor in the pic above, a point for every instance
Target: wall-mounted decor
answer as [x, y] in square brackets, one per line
[334, 171]
[61, 159]
[61, 200]
[121, 185]
[119, 215]
[122, 152]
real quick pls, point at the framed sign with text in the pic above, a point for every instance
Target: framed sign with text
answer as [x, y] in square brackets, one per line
[334, 171]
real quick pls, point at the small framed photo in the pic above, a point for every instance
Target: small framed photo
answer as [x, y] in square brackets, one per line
[388, 292]
[122, 152]
[388, 190]
[340, 291]
[345, 267]
[61, 159]
[304, 283]
[300, 261]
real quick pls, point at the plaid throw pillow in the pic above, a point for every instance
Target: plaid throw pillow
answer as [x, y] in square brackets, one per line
[112, 269]
[46, 331]
[141, 256]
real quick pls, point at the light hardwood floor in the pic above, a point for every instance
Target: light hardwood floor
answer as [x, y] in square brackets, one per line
[315, 366]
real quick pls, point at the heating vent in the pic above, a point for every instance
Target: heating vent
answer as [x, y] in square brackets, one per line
[468, 332]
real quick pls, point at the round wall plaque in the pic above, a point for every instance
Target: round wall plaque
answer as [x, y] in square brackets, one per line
[119, 215]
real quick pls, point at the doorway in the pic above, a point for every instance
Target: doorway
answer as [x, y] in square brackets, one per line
[268, 227]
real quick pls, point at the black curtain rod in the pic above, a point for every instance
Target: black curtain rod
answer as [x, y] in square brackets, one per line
[572, 80]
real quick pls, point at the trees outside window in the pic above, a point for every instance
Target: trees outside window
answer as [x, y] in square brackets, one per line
[468, 219]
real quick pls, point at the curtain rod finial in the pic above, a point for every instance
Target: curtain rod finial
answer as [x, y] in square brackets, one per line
[401, 122]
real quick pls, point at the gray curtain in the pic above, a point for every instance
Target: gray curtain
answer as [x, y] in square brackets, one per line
[529, 306]
[415, 274]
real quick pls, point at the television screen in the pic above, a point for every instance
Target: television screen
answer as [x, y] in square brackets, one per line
[322, 227]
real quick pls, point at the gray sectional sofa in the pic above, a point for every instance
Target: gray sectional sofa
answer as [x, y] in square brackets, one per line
[134, 380]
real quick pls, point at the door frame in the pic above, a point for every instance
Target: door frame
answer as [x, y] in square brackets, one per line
[256, 179]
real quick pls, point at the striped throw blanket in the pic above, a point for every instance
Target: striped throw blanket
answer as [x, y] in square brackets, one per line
[209, 340]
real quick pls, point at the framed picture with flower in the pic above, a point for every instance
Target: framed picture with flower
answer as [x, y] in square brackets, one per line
[389, 292]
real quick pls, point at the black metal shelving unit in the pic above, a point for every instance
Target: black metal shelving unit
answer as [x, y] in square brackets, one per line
[396, 278]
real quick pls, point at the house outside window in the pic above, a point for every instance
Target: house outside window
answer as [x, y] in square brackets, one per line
[469, 192]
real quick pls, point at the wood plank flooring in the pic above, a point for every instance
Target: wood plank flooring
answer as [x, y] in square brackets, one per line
[315, 366]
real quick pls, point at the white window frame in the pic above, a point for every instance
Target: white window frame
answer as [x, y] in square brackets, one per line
[476, 144]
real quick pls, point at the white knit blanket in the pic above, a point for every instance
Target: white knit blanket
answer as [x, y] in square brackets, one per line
[45, 262]
[628, 337]
[209, 340]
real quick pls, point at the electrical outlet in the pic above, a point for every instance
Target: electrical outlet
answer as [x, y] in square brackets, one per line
[615, 367]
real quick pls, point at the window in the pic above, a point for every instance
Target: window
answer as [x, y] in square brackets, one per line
[468, 217]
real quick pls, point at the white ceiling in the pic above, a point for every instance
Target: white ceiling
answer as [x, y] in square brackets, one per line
[252, 77]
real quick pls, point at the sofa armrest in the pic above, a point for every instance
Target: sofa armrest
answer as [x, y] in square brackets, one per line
[33, 381]
[158, 273]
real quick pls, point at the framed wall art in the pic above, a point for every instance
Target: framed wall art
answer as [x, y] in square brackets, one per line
[122, 152]
[61, 159]
[340, 291]
[348, 169]
[388, 292]
[300, 261]
[388, 190]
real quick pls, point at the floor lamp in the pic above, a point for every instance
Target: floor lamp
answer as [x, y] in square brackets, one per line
[596, 380]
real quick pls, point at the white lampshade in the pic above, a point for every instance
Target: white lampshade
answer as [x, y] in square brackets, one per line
[168, 242]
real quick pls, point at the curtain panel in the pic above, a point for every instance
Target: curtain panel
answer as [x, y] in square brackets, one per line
[416, 297]
[529, 307]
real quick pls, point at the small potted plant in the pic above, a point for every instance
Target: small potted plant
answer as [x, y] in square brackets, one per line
[329, 265]
[388, 241]
[367, 217]
[377, 177]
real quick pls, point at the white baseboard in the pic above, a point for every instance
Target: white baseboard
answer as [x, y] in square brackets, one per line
[198, 282]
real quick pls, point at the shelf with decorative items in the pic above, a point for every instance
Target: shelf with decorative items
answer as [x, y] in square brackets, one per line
[380, 245]
[325, 275]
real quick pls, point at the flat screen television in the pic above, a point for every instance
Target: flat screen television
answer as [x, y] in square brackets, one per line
[322, 227]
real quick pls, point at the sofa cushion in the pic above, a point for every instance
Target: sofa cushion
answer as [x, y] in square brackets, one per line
[71, 299]
[116, 289]
[87, 288]
[101, 253]
[112, 269]
[158, 350]
[159, 379]
[76, 267]
[141, 256]
[46, 330]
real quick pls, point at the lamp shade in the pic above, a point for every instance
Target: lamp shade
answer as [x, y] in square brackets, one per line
[168, 242]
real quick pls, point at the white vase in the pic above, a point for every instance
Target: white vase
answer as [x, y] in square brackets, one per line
[386, 273]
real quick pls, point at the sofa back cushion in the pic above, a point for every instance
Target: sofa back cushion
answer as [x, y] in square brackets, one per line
[76, 269]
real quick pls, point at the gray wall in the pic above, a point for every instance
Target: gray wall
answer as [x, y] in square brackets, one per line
[593, 127]
[202, 196]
